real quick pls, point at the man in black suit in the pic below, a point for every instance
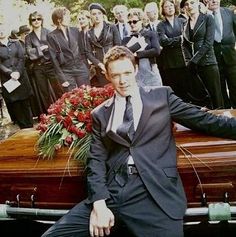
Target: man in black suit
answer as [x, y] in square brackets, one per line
[121, 15]
[151, 10]
[225, 51]
[132, 177]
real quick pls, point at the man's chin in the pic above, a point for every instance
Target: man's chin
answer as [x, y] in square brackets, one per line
[124, 93]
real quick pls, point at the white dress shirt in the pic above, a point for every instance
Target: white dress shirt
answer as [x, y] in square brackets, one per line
[117, 114]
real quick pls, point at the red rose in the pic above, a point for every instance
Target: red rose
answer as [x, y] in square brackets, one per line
[68, 140]
[81, 117]
[80, 133]
[67, 121]
[89, 127]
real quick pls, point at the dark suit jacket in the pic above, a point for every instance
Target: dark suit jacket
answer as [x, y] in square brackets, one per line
[227, 47]
[153, 147]
[97, 47]
[199, 49]
[71, 51]
[32, 45]
[171, 41]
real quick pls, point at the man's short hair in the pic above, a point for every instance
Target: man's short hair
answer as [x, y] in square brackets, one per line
[58, 14]
[119, 6]
[118, 52]
[151, 6]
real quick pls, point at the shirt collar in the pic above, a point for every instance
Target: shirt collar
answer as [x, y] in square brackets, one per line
[134, 94]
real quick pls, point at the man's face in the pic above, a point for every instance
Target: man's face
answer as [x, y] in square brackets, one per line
[121, 14]
[152, 14]
[121, 73]
[213, 5]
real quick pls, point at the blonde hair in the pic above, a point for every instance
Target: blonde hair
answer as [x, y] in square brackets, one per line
[86, 14]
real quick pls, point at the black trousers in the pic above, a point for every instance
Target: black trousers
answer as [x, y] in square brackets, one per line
[20, 113]
[47, 87]
[133, 208]
[76, 75]
[211, 78]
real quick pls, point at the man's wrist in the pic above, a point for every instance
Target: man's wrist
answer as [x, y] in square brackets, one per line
[99, 203]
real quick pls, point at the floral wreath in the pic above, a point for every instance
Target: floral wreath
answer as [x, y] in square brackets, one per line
[69, 123]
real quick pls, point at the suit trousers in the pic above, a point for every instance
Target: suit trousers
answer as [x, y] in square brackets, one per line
[211, 78]
[76, 75]
[136, 214]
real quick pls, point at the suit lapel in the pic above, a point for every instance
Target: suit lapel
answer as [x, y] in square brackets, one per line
[105, 32]
[93, 38]
[44, 34]
[147, 110]
[224, 21]
[35, 40]
[72, 41]
[112, 135]
[186, 31]
[199, 23]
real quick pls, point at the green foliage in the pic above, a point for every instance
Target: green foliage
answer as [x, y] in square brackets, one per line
[76, 6]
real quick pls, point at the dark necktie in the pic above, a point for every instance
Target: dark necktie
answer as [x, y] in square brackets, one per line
[218, 36]
[125, 31]
[153, 27]
[126, 129]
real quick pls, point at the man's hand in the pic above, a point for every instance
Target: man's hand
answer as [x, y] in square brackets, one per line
[65, 84]
[15, 75]
[43, 47]
[101, 219]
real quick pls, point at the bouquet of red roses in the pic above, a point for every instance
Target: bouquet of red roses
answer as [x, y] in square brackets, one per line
[69, 123]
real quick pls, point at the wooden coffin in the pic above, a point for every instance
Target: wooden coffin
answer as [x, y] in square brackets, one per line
[207, 165]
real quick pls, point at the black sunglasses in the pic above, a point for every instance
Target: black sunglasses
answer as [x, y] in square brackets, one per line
[36, 19]
[134, 22]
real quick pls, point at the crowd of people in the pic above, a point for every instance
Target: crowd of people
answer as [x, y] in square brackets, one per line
[189, 46]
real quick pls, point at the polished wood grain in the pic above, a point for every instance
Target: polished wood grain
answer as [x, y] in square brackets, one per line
[206, 165]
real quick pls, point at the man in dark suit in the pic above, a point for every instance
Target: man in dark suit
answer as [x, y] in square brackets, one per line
[132, 177]
[225, 51]
[151, 10]
[121, 15]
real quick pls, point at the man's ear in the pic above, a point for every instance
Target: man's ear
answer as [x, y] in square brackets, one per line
[107, 75]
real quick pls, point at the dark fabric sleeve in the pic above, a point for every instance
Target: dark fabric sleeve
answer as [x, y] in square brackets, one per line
[96, 165]
[154, 49]
[53, 51]
[194, 118]
[33, 52]
[208, 40]
[165, 40]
